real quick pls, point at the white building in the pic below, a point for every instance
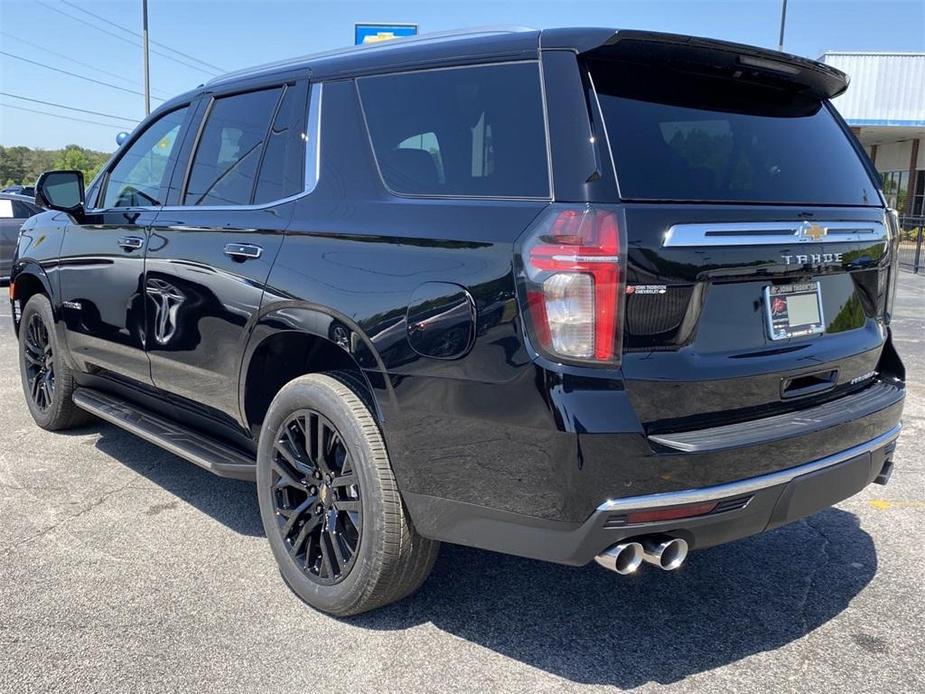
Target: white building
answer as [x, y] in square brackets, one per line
[885, 107]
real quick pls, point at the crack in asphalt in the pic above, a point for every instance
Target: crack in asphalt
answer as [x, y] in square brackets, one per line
[810, 581]
[36, 488]
[82, 512]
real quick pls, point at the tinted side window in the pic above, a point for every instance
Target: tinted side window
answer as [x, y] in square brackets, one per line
[140, 176]
[230, 148]
[462, 131]
[427, 142]
[283, 166]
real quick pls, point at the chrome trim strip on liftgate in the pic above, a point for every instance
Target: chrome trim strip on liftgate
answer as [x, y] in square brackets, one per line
[771, 233]
[746, 486]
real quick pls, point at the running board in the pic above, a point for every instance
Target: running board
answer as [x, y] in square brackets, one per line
[216, 457]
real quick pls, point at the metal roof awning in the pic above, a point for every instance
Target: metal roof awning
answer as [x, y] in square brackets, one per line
[887, 89]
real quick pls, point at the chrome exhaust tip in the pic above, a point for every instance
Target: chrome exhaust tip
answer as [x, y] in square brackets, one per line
[666, 553]
[624, 558]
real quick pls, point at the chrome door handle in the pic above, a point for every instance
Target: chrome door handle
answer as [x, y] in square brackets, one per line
[242, 251]
[131, 243]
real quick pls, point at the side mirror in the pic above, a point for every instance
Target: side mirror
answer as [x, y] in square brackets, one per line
[61, 190]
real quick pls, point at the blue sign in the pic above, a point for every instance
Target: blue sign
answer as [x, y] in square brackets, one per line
[374, 33]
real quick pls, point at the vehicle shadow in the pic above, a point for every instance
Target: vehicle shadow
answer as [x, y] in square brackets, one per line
[591, 626]
[230, 502]
[586, 624]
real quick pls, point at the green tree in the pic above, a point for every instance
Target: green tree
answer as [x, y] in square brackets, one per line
[76, 157]
[12, 163]
[23, 165]
[37, 161]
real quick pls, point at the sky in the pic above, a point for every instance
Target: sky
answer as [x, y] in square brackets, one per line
[235, 34]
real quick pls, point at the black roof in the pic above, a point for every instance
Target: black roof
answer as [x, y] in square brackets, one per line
[476, 45]
[521, 43]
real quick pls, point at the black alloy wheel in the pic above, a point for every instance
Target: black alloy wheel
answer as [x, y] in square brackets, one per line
[48, 383]
[329, 501]
[316, 497]
[40, 362]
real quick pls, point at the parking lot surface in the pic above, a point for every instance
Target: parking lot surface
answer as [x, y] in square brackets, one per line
[124, 568]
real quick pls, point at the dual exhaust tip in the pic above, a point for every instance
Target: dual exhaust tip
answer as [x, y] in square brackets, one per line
[667, 553]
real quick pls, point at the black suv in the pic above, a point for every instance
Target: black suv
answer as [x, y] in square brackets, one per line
[571, 294]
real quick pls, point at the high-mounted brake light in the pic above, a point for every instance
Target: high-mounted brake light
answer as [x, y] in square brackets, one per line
[573, 277]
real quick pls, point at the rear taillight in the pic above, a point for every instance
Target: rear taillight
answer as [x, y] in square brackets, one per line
[572, 278]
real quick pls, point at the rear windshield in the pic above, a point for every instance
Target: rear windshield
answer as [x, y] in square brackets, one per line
[693, 138]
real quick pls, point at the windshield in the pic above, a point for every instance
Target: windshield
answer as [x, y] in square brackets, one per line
[683, 137]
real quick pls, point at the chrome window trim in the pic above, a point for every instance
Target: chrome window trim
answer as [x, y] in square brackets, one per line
[313, 138]
[445, 196]
[746, 486]
[769, 233]
[545, 107]
[139, 208]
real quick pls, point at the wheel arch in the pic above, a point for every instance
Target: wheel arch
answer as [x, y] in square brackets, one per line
[27, 280]
[291, 339]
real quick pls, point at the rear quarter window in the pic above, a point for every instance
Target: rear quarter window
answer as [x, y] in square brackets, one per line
[691, 138]
[471, 131]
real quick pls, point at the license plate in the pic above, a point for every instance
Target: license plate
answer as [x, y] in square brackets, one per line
[793, 310]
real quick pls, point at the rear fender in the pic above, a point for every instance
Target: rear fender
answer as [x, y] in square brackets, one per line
[331, 326]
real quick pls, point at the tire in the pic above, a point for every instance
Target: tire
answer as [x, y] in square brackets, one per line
[47, 381]
[374, 555]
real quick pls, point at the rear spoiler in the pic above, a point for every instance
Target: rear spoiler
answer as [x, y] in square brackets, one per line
[703, 56]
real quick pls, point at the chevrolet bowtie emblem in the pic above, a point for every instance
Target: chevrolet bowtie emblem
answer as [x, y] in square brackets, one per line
[812, 232]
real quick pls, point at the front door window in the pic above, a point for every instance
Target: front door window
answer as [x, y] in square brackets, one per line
[140, 177]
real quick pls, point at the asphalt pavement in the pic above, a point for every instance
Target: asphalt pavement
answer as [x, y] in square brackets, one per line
[124, 568]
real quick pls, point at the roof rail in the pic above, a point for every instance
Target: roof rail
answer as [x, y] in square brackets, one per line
[397, 42]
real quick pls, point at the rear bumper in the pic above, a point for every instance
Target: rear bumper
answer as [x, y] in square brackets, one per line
[746, 507]
[749, 487]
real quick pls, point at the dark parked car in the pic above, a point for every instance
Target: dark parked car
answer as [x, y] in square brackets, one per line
[571, 294]
[17, 189]
[14, 210]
